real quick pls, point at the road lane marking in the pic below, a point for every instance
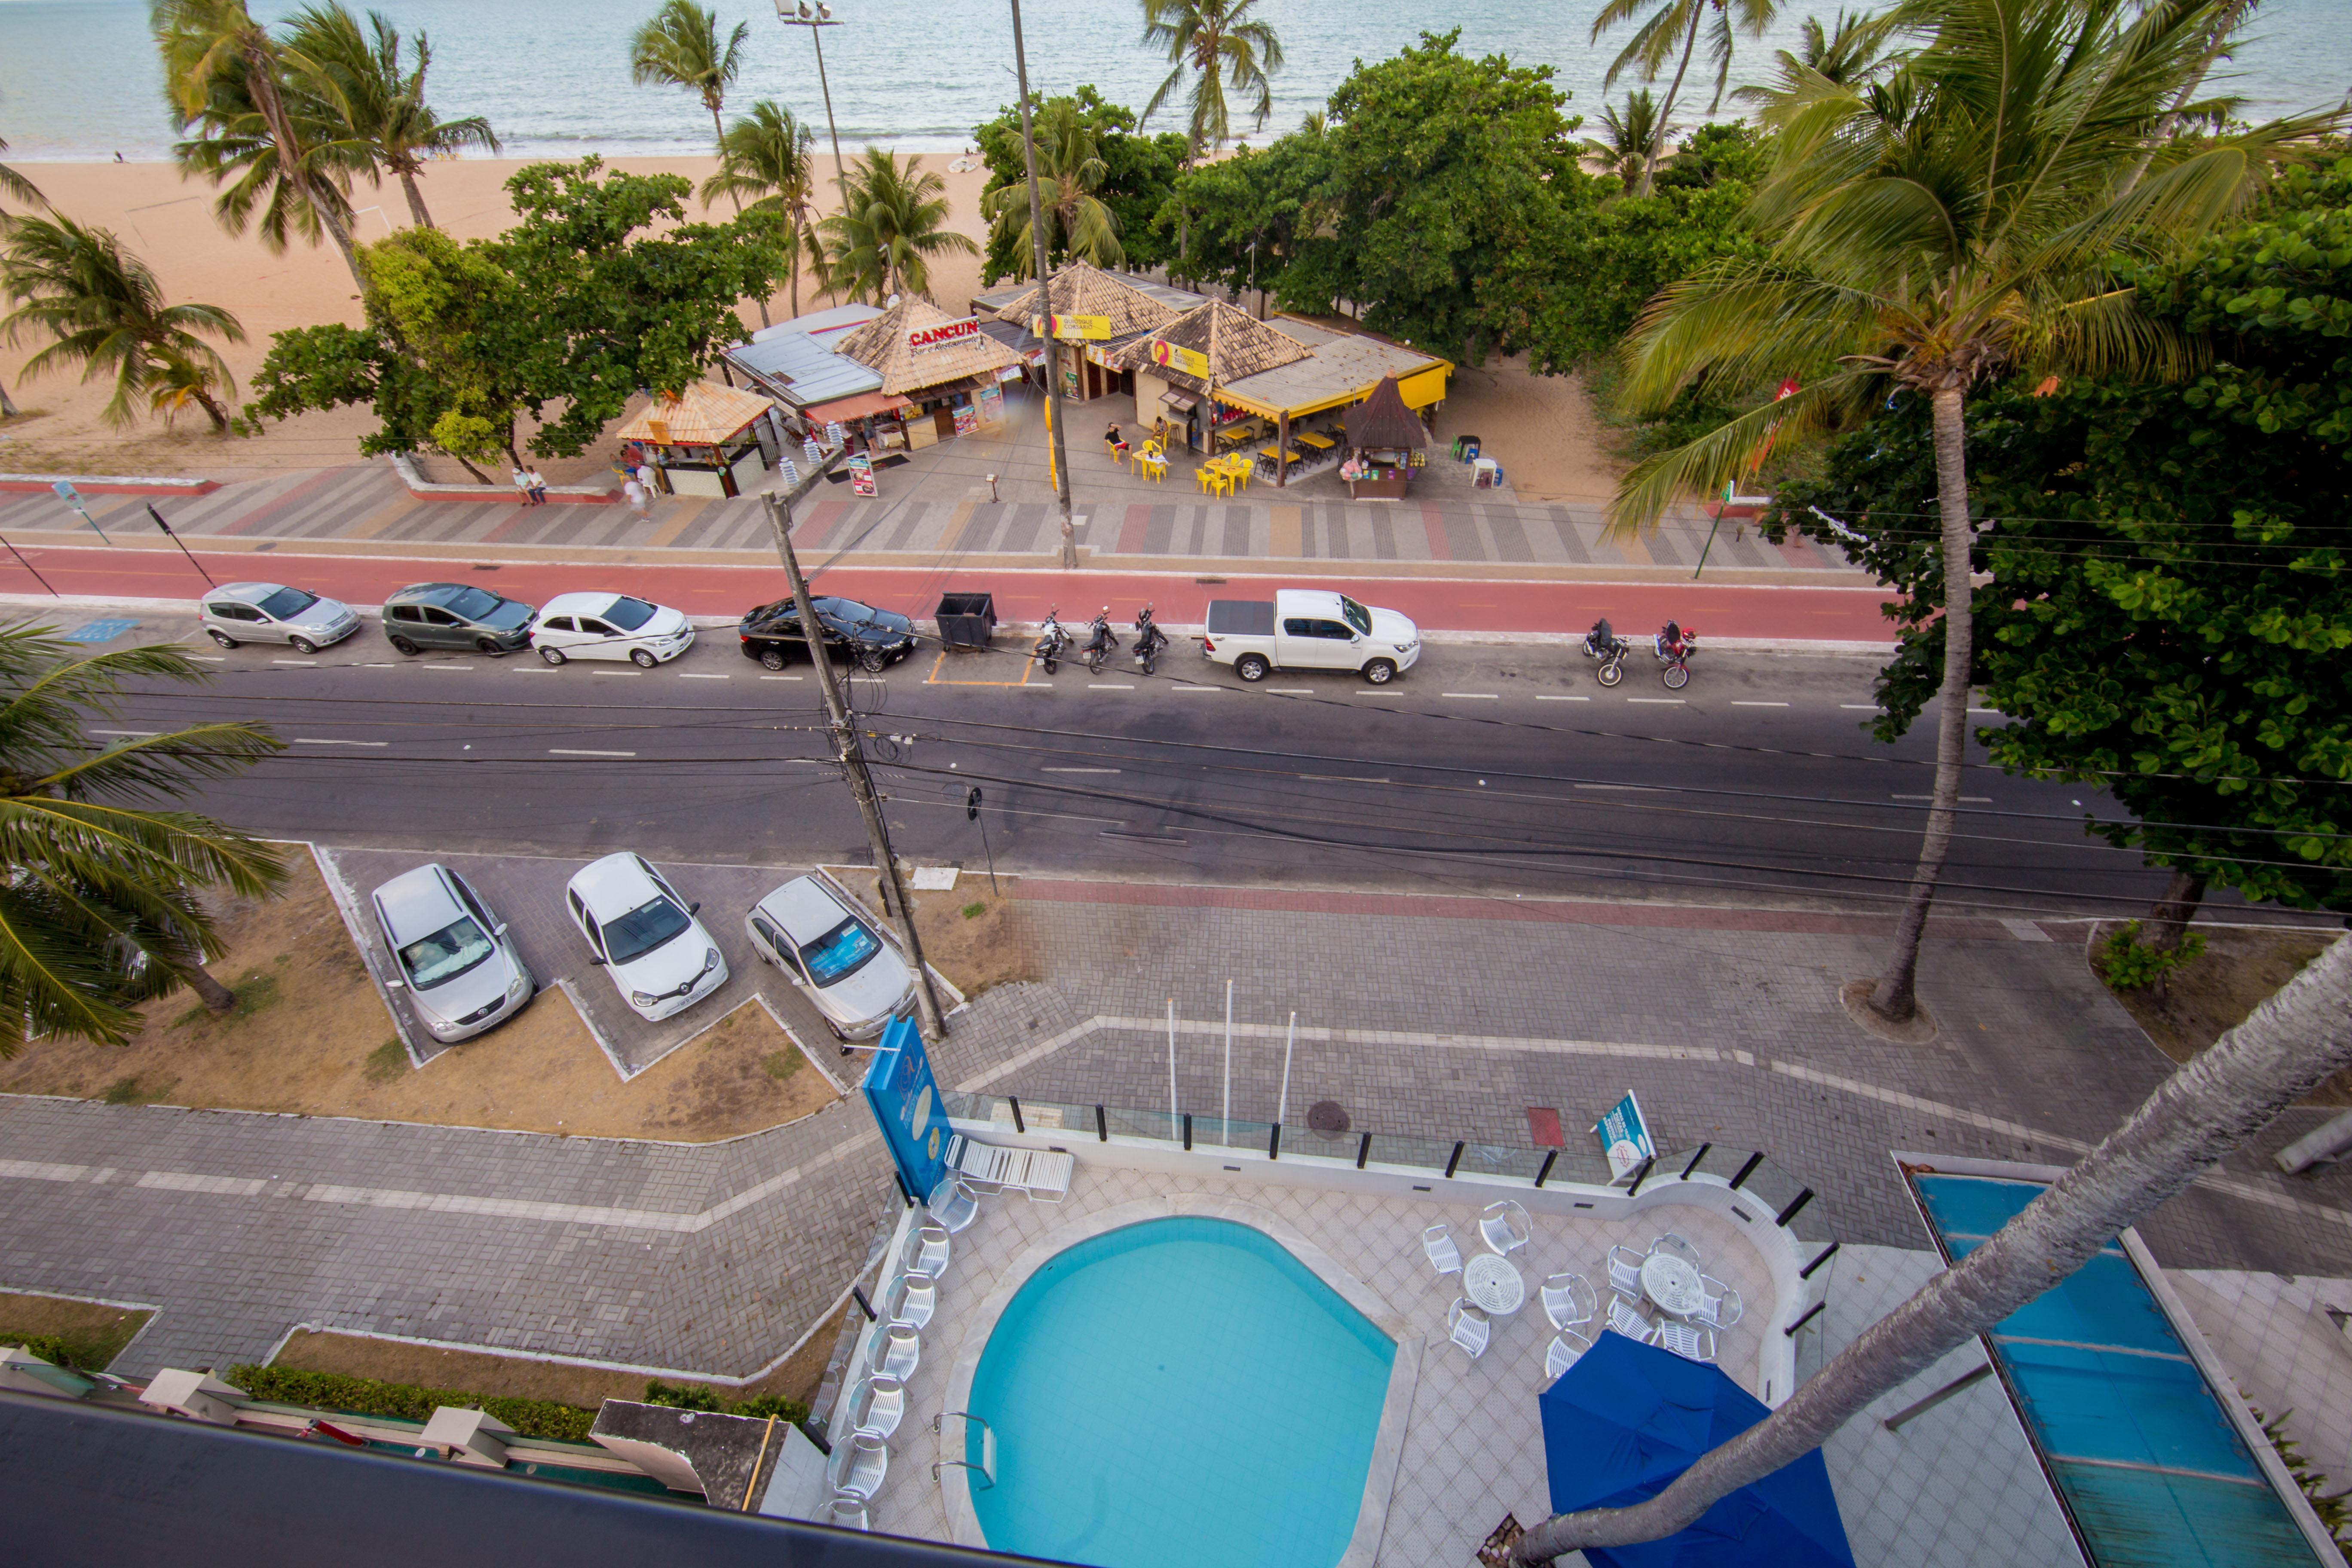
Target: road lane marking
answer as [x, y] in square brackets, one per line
[561, 751]
[312, 664]
[209, 657]
[784, 678]
[1993, 710]
[309, 741]
[532, 669]
[1965, 800]
[142, 734]
[628, 672]
[1660, 701]
[1760, 705]
[698, 675]
[385, 666]
[1288, 691]
[1196, 689]
[1557, 697]
[444, 663]
[1478, 696]
[1859, 707]
[1078, 770]
[1106, 686]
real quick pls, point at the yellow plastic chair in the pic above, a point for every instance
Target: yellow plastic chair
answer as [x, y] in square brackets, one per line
[1240, 469]
[1211, 481]
[1155, 468]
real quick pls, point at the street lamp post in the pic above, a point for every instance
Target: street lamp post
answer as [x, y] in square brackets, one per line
[1057, 450]
[814, 18]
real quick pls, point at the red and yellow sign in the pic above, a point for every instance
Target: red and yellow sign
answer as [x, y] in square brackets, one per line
[1168, 356]
[941, 334]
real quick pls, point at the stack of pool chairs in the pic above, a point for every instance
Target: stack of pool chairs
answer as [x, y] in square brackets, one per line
[891, 1350]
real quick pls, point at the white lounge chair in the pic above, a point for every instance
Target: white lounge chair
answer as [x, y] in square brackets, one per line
[1628, 1321]
[1506, 1227]
[1721, 1305]
[895, 1351]
[954, 1204]
[1690, 1344]
[859, 1464]
[876, 1405]
[1625, 1271]
[927, 1250]
[1443, 1255]
[1561, 1353]
[1468, 1327]
[1569, 1300]
[847, 1512]
[1676, 1246]
[910, 1299]
[1037, 1175]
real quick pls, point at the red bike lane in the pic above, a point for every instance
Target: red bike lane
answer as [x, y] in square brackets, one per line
[1436, 604]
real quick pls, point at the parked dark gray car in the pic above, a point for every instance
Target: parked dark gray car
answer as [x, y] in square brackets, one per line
[455, 615]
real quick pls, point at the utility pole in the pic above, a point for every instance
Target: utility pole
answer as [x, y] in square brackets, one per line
[851, 755]
[1061, 458]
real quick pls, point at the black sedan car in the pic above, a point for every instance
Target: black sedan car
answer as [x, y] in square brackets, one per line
[771, 634]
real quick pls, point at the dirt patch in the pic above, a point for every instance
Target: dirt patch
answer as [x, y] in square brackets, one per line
[974, 938]
[514, 1378]
[311, 1035]
[2216, 991]
[93, 1333]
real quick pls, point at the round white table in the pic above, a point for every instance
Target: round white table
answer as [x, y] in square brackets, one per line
[1491, 1282]
[1673, 1284]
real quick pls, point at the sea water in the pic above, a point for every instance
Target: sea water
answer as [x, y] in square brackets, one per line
[78, 78]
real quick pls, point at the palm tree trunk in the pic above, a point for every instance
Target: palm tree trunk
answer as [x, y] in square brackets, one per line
[796, 267]
[1658, 142]
[218, 414]
[261, 79]
[216, 996]
[1895, 997]
[2205, 1109]
[8, 409]
[2169, 921]
[2223, 21]
[415, 199]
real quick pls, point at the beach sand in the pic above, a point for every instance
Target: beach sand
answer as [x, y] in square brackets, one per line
[1542, 428]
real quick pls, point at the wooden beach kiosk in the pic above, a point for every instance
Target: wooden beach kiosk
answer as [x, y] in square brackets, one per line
[943, 375]
[1384, 445]
[706, 441]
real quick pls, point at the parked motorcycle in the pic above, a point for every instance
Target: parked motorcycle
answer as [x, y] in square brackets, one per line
[1101, 642]
[1603, 643]
[1052, 642]
[1676, 643]
[1149, 640]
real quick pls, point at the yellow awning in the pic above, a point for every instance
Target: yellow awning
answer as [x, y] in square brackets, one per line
[1421, 391]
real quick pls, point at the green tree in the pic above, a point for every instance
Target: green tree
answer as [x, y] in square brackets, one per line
[893, 222]
[678, 45]
[769, 156]
[1070, 174]
[100, 307]
[372, 101]
[224, 77]
[1275, 199]
[1139, 175]
[1956, 219]
[101, 908]
[15, 184]
[1219, 43]
[1851, 51]
[1671, 34]
[1629, 146]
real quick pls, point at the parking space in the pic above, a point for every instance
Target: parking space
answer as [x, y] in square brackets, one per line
[526, 891]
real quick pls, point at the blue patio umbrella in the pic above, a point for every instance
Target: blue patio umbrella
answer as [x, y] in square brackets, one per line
[1628, 1419]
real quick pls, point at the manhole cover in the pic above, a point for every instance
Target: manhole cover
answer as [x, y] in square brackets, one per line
[1326, 1117]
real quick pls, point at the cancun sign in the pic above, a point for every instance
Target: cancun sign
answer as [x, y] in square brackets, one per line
[939, 335]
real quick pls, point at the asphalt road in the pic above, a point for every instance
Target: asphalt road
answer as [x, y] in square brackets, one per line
[1484, 768]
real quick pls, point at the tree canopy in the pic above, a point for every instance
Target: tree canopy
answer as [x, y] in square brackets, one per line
[1138, 172]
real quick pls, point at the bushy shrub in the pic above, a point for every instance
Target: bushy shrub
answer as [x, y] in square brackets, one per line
[408, 1401]
[700, 1396]
[2130, 964]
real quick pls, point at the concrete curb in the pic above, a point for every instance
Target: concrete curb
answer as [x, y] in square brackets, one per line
[107, 485]
[420, 489]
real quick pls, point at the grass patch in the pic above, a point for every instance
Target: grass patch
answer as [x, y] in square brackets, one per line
[973, 911]
[132, 1091]
[781, 1065]
[255, 992]
[2212, 990]
[387, 1062]
[83, 1335]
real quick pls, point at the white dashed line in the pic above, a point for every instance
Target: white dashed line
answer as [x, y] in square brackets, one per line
[561, 752]
[530, 669]
[1106, 686]
[1995, 712]
[1660, 701]
[1557, 697]
[1078, 770]
[1760, 705]
[1287, 690]
[1475, 696]
[312, 664]
[698, 675]
[446, 664]
[1859, 707]
[1965, 800]
[142, 734]
[386, 666]
[208, 657]
[784, 678]
[1196, 689]
[308, 741]
[632, 673]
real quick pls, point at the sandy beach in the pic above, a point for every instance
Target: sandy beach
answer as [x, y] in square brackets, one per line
[1543, 428]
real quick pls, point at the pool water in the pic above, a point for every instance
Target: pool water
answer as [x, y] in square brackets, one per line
[1182, 1392]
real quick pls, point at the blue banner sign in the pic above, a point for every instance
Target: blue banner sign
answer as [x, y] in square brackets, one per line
[1625, 1139]
[906, 1103]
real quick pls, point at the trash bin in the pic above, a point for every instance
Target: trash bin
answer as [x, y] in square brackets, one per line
[967, 620]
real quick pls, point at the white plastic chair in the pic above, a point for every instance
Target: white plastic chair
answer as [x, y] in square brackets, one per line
[910, 1299]
[1690, 1344]
[858, 1467]
[1721, 1307]
[955, 1203]
[1561, 1353]
[1443, 1255]
[895, 1351]
[927, 1250]
[1569, 1300]
[1625, 1271]
[1676, 1246]
[1505, 1226]
[847, 1512]
[1468, 1327]
[1626, 1320]
[876, 1405]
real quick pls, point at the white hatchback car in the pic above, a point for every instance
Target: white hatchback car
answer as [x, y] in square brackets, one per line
[645, 935]
[834, 953]
[610, 625]
[271, 612]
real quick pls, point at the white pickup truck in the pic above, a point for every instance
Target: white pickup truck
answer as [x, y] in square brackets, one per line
[1309, 629]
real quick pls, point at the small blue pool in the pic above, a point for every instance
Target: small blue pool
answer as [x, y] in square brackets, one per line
[1178, 1392]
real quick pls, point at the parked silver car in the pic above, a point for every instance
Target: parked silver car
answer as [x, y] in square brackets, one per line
[834, 953]
[461, 970]
[272, 612]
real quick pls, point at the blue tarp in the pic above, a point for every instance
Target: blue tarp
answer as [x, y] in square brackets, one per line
[1628, 1419]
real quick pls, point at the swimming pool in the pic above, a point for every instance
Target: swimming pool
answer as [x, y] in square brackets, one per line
[1179, 1392]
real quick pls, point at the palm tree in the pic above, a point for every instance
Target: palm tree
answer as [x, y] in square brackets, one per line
[1223, 43]
[1632, 140]
[769, 156]
[1851, 51]
[679, 47]
[99, 910]
[1671, 34]
[372, 101]
[104, 309]
[1957, 221]
[13, 183]
[893, 221]
[2206, 1108]
[224, 74]
[1069, 170]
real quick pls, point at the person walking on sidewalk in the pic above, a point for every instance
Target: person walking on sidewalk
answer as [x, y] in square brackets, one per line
[522, 486]
[636, 494]
[538, 487]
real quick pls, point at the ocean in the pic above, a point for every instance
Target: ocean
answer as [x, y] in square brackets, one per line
[78, 78]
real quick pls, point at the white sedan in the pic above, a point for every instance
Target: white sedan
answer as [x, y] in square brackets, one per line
[645, 935]
[610, 625]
